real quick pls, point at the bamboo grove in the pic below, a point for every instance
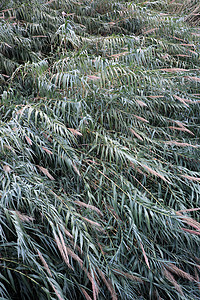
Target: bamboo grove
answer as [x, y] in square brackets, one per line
[99, 149]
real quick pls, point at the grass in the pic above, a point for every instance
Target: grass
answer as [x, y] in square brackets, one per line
[99, 150]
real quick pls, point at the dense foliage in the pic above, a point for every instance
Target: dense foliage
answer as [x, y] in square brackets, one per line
[99, 149]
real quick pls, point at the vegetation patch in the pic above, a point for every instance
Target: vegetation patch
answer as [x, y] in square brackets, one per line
[99, 150]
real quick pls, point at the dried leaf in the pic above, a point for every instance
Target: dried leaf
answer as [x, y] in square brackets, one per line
[44, 262]
[45, 172]
[193, 78]
[181, 129]
[93, 77]
[39, 36]
[136, 134]
[28, 140]
[68, 234]
[171, 278]
[47, 150]
[183, 55]
[136, 168]
[173, 70]
[145, 256]
[108, 284]
[23, 217]
[176, 38]
[119, 54]
[75, 132]
[63, 249]
[64, 14]
[197, 278]
[154, 96]
[181, 100]
[87, 297]
[9, 148]
[76, 169]
[189, 221]
[153, 172]
[174, 269]
[91, 222]
[189, 45]
[150, 30]
[89, 206]
[141, 103]
[94, 289]
[189, 209]
[8, 45]
[7, 169]
[193, 52]
[180, 144]
[141, 119]
[165, 56]
[191, 177]
[48, 138]
[194, 33]
[49, 2]
[191, 231]
[129, 276]
[55, 290]
[179, 123]
[76, 257]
